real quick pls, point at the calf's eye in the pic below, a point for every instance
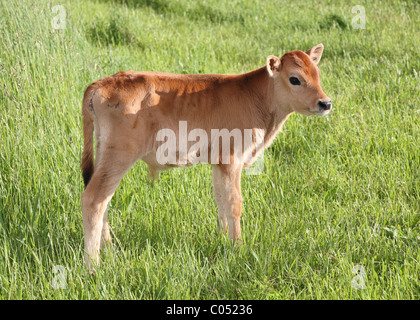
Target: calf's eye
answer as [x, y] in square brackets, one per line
[295, 81]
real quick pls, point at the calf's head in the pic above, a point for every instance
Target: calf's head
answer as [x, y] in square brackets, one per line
[297, 82]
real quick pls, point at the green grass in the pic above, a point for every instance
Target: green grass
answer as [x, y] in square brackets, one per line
[336, 192]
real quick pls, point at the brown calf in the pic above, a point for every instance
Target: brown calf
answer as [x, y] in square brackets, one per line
[131, 111]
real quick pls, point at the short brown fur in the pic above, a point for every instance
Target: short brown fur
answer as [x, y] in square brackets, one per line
[126, 111]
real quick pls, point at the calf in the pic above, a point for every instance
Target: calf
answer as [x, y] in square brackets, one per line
[132, 113]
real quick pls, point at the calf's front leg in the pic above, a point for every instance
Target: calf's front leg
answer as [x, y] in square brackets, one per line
[227, 189]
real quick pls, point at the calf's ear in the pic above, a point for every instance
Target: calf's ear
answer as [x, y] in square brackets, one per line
[315, 53]
[273, 66]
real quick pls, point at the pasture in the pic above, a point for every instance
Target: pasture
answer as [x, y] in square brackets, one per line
[335, 214]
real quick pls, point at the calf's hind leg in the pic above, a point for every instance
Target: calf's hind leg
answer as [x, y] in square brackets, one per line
[95, 199]
[105, 236]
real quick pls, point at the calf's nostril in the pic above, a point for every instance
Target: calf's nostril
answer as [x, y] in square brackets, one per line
[325, 105]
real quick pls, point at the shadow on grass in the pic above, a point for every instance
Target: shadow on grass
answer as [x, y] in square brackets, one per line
[113, 32]
[196, 12]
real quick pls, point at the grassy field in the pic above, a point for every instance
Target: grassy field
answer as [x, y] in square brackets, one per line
[337, 193]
